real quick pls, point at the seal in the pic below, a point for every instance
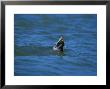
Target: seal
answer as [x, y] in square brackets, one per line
[59, 45]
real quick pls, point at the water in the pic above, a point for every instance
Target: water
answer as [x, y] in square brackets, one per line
[35, 34]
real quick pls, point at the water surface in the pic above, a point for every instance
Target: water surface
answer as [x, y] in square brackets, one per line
[35, 34]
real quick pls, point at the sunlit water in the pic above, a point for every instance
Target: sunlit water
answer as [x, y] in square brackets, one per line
[36, 34]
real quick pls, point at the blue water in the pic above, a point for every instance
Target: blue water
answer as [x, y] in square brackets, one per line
[35, 34]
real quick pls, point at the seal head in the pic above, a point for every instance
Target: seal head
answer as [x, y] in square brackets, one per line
[59, 45]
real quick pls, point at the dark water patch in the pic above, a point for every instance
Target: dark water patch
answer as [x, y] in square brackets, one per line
[35, 50]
